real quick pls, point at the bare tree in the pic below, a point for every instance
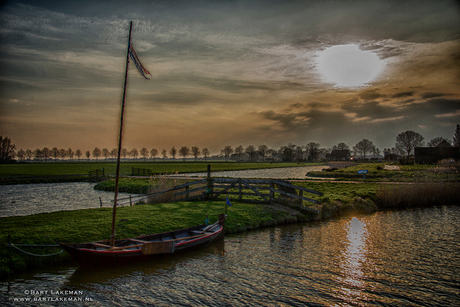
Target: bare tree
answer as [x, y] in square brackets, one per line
[312, 149]
[113, 153]
[7, 149]
[55, 152]
[134, 153]
[153, 153]
[70, 153]
[364, 146]
[124, 153]
[456, 139]
[78, 153]
[250, 151]
[164, 154]
[105, 153]
[239, 151]
[37, 154]
[263, 151]
[184, 151]
[21, 154]
[144, 152]
[195, 152]
[173, 152]
[407, 141]
[88, 154]
[62, 153]
[206, 153]
[298, 153]
[227, 151]
[97, 153]
[438, 140]
[46, 153]
[29, 153]
[340, 146]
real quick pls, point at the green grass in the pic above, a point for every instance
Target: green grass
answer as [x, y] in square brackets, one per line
[95, 224]
[377, 173]
[83, 168]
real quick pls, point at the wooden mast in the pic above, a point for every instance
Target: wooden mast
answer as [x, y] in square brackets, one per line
[117, 175]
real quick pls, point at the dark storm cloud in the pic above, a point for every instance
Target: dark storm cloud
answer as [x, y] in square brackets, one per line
[432, 95]
[370, 95]
[403, 94]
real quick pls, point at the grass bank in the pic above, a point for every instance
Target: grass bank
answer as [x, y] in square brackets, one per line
[44, 172]
[95, 224]
[387, 172]
[339, 199]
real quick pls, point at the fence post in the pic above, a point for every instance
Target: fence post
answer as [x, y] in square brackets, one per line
[240, 188]
[100, 200]
[209, 181]
[272, 192]
[130, 201]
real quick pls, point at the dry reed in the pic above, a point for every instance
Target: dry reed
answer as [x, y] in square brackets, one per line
[423, 194]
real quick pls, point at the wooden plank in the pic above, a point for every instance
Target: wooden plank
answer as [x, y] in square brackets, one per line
[297, 196]
[160, 247]
[255, 191]
[138, 241]
[296, 187]
[189, 184]
[191, 191]
[226, 189]
[253, 181]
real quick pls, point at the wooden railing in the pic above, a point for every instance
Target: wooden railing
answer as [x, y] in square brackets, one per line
[95, 175]
[244, 190]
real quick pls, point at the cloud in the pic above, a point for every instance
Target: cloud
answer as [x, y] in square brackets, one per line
[402, 94]
[370, 95]
[432, 95]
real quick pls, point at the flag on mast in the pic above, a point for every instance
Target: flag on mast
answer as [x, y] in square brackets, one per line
[137, 62]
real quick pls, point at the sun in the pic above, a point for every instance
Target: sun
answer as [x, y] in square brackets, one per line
[349, 66]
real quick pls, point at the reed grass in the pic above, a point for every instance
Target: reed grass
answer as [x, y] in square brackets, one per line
[421, 194]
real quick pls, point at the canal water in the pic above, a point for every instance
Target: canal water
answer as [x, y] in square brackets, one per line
[27, 199]
[265, 173]
[393, 258]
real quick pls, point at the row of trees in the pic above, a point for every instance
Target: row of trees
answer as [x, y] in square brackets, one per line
[404, 146]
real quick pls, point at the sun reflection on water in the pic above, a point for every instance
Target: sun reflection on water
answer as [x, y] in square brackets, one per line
[352, 260]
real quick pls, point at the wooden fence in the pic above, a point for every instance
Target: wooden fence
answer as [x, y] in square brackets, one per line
[95, 175]
[141, 172]
[244, 190]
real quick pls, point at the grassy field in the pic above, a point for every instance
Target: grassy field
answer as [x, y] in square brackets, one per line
[95, 224]
[83, 168]
[340, 198]
[378, 173]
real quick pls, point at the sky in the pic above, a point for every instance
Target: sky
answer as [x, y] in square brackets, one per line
[228, 72]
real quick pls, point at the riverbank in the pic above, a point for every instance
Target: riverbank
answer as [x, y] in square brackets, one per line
[340, 199]
[24, 173]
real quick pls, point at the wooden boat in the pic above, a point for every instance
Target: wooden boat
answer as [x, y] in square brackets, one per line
[144, 247]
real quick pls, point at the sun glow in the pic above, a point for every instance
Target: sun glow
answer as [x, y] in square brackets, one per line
[348, 66]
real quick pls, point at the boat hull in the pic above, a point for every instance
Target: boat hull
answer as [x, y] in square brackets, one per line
[144, 247]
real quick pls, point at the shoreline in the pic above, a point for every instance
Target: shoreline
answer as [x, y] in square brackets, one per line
[260, 216]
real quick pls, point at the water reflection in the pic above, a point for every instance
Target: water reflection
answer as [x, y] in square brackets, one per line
[352, 260]
[404, 258]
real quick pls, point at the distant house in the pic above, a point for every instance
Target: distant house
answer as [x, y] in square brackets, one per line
[430, 155]
[339, 155]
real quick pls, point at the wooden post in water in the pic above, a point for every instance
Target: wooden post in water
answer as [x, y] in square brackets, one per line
[120, 137]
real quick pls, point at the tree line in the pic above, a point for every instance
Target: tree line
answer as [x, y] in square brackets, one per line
[404, 146]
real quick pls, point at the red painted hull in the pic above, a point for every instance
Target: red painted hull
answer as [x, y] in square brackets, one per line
[130, 250]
